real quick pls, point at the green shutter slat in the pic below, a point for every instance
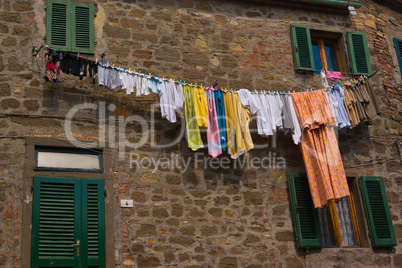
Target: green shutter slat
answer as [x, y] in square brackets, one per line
[377, 212]
[302, 48]
[82, 32]
[305, 217]
[93, 220]
[59, 25]
[48, 223]
[93, 215]
[359, 54]
[398, 48]
[54, 221]
[53, 235]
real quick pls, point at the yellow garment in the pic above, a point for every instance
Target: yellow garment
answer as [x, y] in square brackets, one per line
[200, 106]
[236, 144]
[243, 114]
[193, 132]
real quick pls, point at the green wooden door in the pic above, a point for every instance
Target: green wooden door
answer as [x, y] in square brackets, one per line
[68, 223]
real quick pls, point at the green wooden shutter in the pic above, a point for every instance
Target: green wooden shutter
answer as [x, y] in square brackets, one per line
[70, 26]
[398, 48]
[57, 24]
[301, 47]
[55, 222]
[83, 28]
[377, 212]
[305, 218]
[359, 54]
[65, 211]
[93, 227]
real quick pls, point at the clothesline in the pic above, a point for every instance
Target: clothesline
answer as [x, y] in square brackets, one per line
[309, 116]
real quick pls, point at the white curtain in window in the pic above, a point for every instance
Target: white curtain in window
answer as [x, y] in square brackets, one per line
[327, 233]
[345, 222]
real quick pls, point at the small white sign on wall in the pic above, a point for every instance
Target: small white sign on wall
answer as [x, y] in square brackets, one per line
[126, 203]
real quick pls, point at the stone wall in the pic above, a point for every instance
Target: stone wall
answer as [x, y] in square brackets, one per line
[202, 217]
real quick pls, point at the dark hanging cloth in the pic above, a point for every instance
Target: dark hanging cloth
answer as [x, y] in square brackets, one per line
[373, 96]
[71, 65]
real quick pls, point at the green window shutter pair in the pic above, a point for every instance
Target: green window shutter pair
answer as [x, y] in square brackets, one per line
[70, 26]
[305, 218]
[398, 48]
[303, 53]
[64, 212]
[377, 212]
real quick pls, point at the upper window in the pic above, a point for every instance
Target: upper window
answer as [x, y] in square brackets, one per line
[326, 55]
[338, 224]
[316, 53]
[398, 48]
[66, 159]
[70, 26]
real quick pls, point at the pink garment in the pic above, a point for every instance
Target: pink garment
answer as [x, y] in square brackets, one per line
[214, 141]
[334, 75]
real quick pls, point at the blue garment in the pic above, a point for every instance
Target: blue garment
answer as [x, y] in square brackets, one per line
[155, 84]
[342, 117]
[220, 112]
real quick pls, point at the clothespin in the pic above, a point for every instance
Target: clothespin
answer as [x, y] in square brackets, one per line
[139, 72]
[86, 59]
[331, 70]
[92, 60]
[82, 56]
[145, 74]
[102, 63]
[96, 62]
[195, 84]
[184, 83]
[252, 92]
[124, 69]
[180, 82]
[78, 56]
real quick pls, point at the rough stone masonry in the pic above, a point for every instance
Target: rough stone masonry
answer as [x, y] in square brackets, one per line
[203, 217]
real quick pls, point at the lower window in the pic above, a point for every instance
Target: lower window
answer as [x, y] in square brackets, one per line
[339, 224]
